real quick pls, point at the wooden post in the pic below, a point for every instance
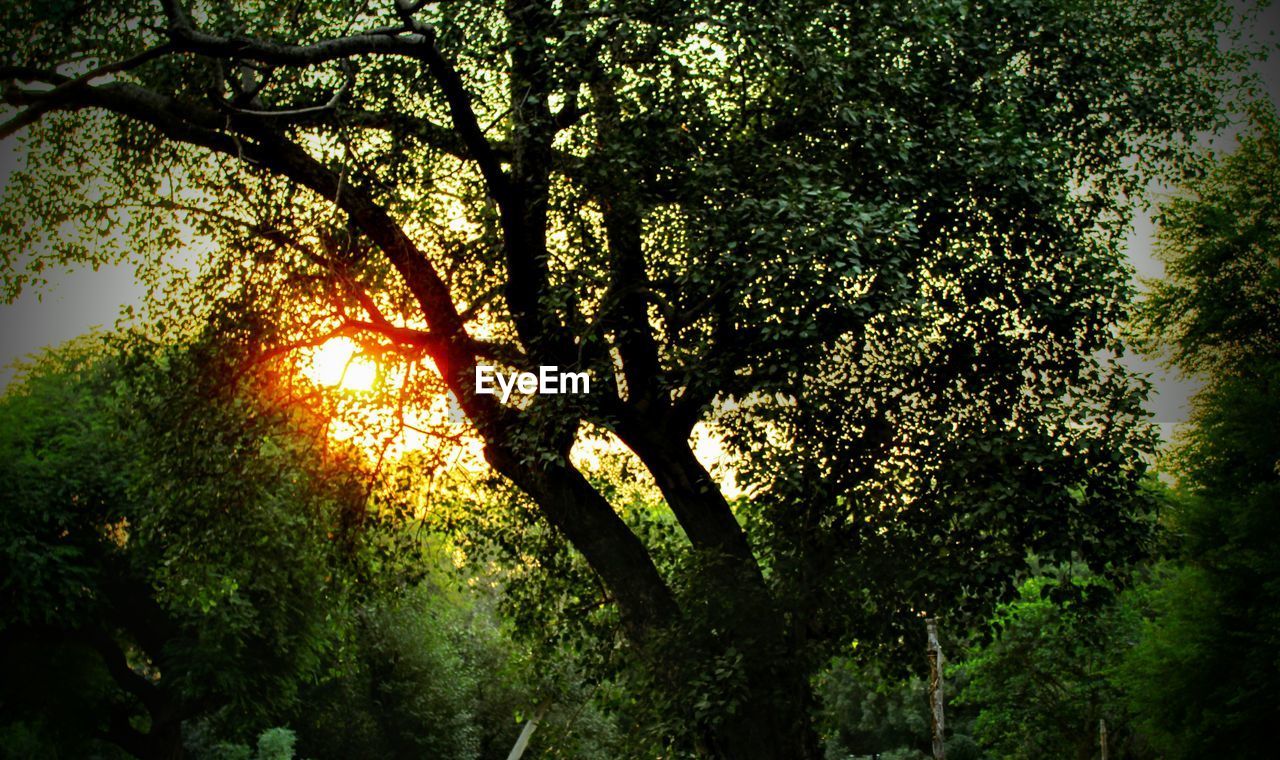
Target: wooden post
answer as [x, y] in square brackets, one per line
[938, 723]
[522, 741]
[1102, 736]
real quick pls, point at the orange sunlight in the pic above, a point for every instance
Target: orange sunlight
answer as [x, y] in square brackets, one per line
[369, 412]
[338, 364]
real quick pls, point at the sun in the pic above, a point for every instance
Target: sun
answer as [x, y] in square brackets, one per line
[338, 363]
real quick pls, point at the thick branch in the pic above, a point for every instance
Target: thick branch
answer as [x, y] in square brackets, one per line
[464, 119]
[524, 211]
[689, 490]
[185, 36]
[419, 44]
[31, 115]
[627, 307]
[202, 126]
[612, 550]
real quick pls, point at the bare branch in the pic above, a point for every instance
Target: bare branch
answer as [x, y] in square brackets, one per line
[347, 84]
[385, 40]
[63, 83]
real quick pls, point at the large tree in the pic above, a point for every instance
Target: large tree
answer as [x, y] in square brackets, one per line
[890, 229]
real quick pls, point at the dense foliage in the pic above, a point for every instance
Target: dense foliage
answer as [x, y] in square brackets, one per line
[186, 564]
[169, 535]
[1177, 665]
[1046, 685]
[875, 249]
[1207, 657]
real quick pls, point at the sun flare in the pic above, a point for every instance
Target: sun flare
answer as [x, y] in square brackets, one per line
[338, 363]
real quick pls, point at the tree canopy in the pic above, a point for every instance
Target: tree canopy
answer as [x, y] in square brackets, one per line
[878, 247]
[1205, 657]
[171, 534]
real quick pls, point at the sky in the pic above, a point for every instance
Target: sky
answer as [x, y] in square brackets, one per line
[73, 304]
[80, 299]
[1169, 400]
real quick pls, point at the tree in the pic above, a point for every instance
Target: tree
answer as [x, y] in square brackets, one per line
[699, 204]
[1206, 656]
[166, 550]
[1046, 679]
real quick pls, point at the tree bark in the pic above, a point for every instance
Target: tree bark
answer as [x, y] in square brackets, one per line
[771, 720]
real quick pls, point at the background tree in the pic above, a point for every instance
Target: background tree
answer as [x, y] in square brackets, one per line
[1047, 677]
[1205, 659]
[165, 547]
[896, 225]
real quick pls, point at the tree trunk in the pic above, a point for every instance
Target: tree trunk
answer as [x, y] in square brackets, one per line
[736, 609]
[589, 522]
[767, 717]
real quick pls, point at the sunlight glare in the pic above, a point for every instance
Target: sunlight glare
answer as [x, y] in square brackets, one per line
[338, 364]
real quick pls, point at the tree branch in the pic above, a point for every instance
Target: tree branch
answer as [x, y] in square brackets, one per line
[383, 41]
[251, 141]
[330, 105]
[31, 115]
